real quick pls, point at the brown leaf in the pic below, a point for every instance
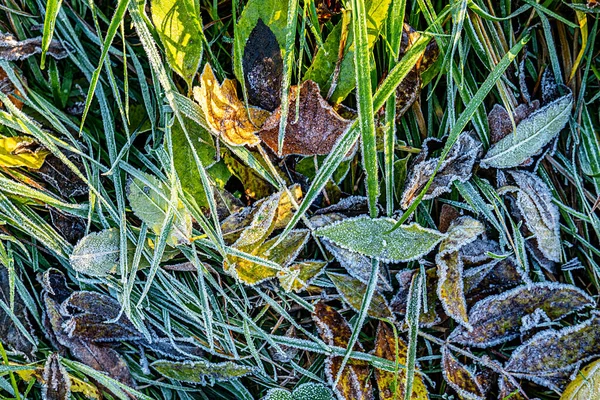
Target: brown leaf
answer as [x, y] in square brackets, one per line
[225, 113]
[500, 123]
[498, 319]
[263, 67]
[10, 335]
[327, 9]
[549, 357]
[508, 389]
[465, 382]
[353, 290]
[313, 131]
[457, 166]
[57, 383]
[11, 49]
[70, 227]
[61, 177]
[355, 383]
[399, 303]
[390, 386]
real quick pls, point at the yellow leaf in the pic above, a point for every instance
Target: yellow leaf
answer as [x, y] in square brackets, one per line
[225, 113]
[586, 385]
[21, 151]
[77, 385]
[298, 276]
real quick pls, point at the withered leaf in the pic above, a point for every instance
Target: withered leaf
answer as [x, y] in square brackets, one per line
[225, 113]
[498, 319]
[586, 384]
[263, 67]
[12, 49]
[390, 386]
[500, 123]
[465, 382]
[355, 382]
[451, 290]
[255, 187]
[70, 227]
[201, 371]
[313, 131]
[457, 166]
[299, 275]
[57, 383]
[399, 303]
[10, 335]
[550, 356]
[21, 151]
[328, 8]
[352, 291]
[508, 389]
[61, 177]
[7, 87]
[541, 216]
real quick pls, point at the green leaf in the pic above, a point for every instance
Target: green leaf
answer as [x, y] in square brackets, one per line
[150, 204]
[374, 238]
[203, 372]
[323, 67]
[312, 391]
[531, 135]
[278, 394]
[352, 291]
[180, 30]
[97, 254]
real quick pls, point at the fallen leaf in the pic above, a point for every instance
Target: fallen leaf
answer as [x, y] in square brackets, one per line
[551, 356]
[61, 177]
[263, 67]
[399, 303]
[373, 237]
[586, 384]
[457, 166]
[460, 378]
[8, 89]
[179, 27]
[201, 371]
[451, 290]
[498, 319]
[392, 386]
[12, 49]
[57, 383]
[509, 390]
[225, 113]
[500, 123]
[306, 391]
[314, 130]
[70, 227]
[352, 291]
[11, 335]
[150, 203]
[531, 135]
[299, 275]
[97, 254]
[21, 151]
[354, 382]
[255, 187]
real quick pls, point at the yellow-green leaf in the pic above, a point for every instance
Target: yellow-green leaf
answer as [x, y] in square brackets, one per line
[586, 384]
[21, 151]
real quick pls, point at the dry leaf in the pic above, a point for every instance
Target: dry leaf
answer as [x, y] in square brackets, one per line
[457, 166]
[8, 89]
[393, 387]
[10, 335]
[586, 384]
[327, 9]
[313, 131]
[61, 177]
[21, 151]
[57, 383]
[225, 113]
[299, 275]
[428, 317]
[11, 49]
[352, 291]
[498, 319]
[355, 382]
[464, 381]
[263, 67]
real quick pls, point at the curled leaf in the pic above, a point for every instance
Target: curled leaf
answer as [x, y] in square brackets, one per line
[498, 319]
[202, 371]
[225, 113]
[312, 131]
[57, 383]
[374, 237]
[464, 381]
[12, 49]
[352, 291]
[457, 166]
[21, 151]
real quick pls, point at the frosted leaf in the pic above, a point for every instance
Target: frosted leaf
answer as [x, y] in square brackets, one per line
[356, 264]
[495, 276]
[531, 135]
[352, 291]
[56, 381]
[460, 378]
[202, 371]
[312, 391]
[457, 166]
[352, 205]
[97, 254]
[355, 382]
[450, 289]
[549, 356]
[299, 275]
[278, 394]
[509, 389]
[366, 236]
[428, 317]
[541, 216]
[151, 204]
[392, 386]
[586, 384]
[321, 220]
[12, 49]
[262, 224]
[497, 319]
[534, 320]
[283, 353]
[500, 122]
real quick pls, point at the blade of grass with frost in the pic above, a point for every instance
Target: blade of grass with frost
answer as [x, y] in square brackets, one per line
[288, 66]
[52, 9]
[207, 315]
[413, 310]
[458, 19]
[110, 35]
[394, 35]
[155, 61]
[551, 48]
[364, 94]
[347, 140]
[464, 119]
[362, 315]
